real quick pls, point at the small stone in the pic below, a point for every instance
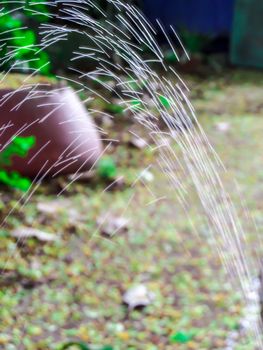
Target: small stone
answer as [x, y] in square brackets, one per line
[47, 208]
[59, 206]
[223, 126]
[112, 225]
[107, 121]
[147, 176]
[4, 338]
[138, 142]
[138, 296]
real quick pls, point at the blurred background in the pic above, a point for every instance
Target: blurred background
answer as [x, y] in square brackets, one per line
[97, 251]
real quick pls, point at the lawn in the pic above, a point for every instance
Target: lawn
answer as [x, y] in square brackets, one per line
[71, 288]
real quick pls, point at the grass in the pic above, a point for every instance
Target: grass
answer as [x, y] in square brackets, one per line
[71, 289]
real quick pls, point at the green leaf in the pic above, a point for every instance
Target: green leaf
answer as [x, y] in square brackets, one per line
[181, 337]
[136, 104]
[83, 346]
[24, 38]
[170, 57]
[114, 108]
[37, 10]
[230, 323]
[107, 168]
[9, 22]
[18, 147]
[164, 101]
[14, 180]
[133, 85]
[136, 85]
[24, 42]
[194, 42]
[80, 345]
[42, 63]
[24, 143]
[23, 52]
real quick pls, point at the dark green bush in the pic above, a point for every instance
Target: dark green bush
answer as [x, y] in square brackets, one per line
[18, 37]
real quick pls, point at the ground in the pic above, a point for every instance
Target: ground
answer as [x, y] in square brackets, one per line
[72, 288]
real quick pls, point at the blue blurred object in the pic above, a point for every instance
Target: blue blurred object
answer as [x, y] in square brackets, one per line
[199, 16]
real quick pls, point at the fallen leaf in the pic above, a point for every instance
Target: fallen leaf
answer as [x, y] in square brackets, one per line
[28, 232]
[55, 207]
[49, 208]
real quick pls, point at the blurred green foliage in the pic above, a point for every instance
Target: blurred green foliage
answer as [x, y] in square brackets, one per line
[181, 337]
[114, 108]
[36, 9]
[194, 42]
[19, 146]
[82, 346]
[107, 168]
[14, 180]
[20, 41]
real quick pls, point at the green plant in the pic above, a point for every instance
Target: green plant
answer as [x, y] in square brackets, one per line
[164, 101]
[107, 168]
[37, 9]
[194, 42]
[83, 346]
[181, 337]
[114, 108]
[19, 146]
[19, 39]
